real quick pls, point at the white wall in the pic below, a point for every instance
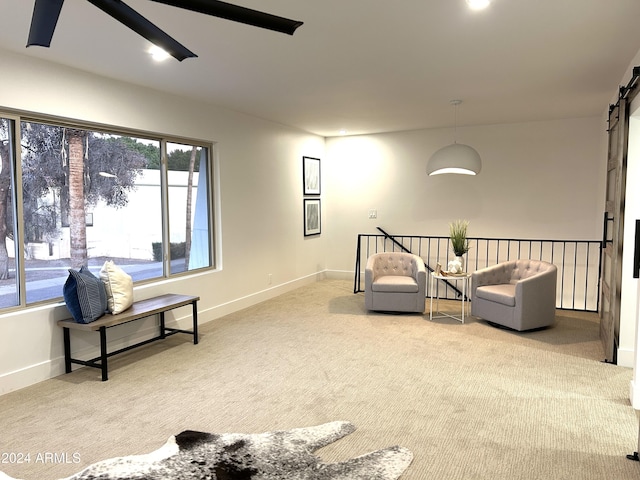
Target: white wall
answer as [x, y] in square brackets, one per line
[627, 349]
[538, 180]
[629, 300]
[260, 189]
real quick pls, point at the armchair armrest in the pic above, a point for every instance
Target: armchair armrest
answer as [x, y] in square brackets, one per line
[369, 274]
[535, 289]
[421, 276]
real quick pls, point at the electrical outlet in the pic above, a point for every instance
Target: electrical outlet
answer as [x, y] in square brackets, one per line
[269, 278]
[373, 214]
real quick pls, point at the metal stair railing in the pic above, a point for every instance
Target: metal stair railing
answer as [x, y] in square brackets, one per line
[430, 268]
[578, 261]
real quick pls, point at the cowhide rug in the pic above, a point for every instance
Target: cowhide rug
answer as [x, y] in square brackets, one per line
[263, 456]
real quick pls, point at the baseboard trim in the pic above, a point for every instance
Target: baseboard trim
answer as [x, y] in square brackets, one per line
[625, 357]
[340, 274]
[54, 367]
[31, 375]
[634, 394]
[241, 303]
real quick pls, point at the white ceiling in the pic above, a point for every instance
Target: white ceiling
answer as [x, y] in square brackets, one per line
[365, 65]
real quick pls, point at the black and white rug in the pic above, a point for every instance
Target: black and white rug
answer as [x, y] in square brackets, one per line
[280, 455]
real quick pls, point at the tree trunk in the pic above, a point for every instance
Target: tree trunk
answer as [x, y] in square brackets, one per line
[5, 184]
[77, 216]
[187, 246]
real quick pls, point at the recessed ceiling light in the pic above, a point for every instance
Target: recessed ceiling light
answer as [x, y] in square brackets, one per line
[158, 54]
[478, 4]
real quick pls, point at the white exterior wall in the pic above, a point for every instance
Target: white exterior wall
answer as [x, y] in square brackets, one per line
[137, 230]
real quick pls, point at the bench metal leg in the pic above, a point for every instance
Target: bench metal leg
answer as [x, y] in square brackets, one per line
[102, 361]
[67, 350]
[195, 323]
[103, 353]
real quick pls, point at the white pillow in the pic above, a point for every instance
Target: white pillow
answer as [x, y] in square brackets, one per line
[119, 287]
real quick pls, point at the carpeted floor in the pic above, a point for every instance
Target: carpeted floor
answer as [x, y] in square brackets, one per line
[469, 401]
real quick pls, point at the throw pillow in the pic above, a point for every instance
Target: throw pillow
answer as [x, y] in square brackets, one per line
[85, 296]
[119, 287]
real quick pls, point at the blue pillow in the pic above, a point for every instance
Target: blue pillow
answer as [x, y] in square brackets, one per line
[85, 296]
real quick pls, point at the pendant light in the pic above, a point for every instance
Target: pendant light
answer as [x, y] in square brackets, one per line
[478, 4]
[455, 158]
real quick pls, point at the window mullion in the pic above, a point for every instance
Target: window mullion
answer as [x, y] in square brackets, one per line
[18, 227]
[164, 192]
[18, 212]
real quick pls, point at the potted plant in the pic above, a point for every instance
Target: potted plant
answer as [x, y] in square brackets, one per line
[458, 238]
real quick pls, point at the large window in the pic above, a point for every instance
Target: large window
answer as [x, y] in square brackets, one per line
[73, 196]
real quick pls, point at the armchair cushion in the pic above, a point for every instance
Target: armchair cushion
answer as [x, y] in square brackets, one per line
[395, 283]
[503, 293]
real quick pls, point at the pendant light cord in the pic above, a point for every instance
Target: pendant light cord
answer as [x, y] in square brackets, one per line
[455, 104]
[455, 123]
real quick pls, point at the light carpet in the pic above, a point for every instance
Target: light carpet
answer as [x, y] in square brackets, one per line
[469, 401]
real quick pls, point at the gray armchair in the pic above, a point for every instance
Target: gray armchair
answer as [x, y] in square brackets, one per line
[395, 282]
[519, 294]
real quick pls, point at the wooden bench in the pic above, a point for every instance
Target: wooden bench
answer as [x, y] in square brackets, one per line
[140, 309]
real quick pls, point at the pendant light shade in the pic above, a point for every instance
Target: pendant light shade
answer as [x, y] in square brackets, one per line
[455, 158]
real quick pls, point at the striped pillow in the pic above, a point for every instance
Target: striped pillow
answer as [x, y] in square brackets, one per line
[85, 296]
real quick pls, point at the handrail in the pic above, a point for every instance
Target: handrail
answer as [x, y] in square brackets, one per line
[431, 269]
[394, 240]
[578, 261]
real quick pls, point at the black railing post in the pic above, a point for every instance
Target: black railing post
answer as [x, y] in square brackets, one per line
[356, 282]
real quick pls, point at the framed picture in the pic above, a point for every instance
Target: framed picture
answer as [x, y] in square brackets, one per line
[311, 216]
[311, 175]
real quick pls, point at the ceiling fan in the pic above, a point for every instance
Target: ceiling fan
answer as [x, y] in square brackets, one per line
[46, 13]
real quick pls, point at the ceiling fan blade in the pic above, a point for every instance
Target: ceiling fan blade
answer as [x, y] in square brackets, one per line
[43, 22]
[139, 24]
[236, 13]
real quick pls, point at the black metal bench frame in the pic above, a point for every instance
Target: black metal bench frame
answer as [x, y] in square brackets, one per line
[140, 309]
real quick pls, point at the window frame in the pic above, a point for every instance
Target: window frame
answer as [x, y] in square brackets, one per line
[16, 117]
